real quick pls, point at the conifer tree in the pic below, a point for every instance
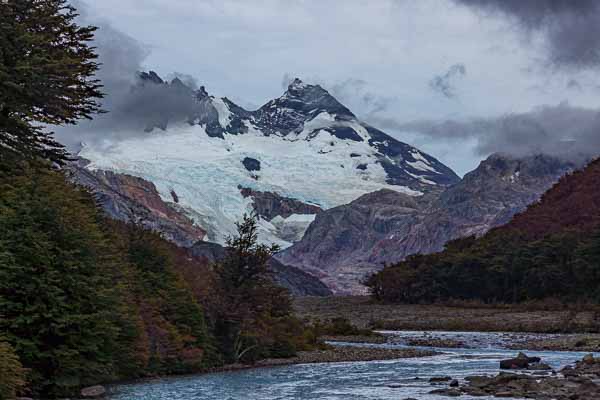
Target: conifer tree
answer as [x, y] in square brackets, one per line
[56, 292]
[47, 69]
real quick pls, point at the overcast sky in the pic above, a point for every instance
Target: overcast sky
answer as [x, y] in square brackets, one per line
[391, 61]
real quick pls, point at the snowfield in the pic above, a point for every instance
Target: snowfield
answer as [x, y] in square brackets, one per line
[304, 145]
[205, 172]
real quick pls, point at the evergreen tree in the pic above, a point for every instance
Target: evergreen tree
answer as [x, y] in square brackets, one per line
[251, 300]
[56, 292]
[46, 74]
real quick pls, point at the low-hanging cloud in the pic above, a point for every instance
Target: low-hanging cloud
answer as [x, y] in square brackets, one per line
[445, 84]
[354, 93]
[572, 133]
[571, 28]
[132, 104]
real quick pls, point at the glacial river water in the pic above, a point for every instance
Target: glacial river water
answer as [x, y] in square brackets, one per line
[373, 380]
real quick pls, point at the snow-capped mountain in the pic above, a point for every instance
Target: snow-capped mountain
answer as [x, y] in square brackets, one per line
[304, 150]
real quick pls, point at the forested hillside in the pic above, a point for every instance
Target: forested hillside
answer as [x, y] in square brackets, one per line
[86, 300]
[552, 250]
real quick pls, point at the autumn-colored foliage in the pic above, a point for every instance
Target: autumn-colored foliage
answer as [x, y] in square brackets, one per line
[12, 373]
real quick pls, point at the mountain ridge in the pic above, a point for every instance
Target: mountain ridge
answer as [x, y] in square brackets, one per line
[304, 145]
[548, 251]
[345, 244]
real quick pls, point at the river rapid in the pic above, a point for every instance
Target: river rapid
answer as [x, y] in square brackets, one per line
[381, 380]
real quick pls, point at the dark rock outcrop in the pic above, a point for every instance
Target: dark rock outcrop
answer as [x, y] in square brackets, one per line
[270, 205]
[521, 361]
[346, 243]
[251, 164]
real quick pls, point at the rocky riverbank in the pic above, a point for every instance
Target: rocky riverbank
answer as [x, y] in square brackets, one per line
[368, 339]
[586, 343]
[347, 354]
[535, 380]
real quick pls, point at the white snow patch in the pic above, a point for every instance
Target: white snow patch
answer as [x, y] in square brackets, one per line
[223, 111]
[422, 163]
[422, 179]
[421, 166]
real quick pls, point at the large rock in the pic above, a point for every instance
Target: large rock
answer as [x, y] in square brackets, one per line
[93, 392]
[270, 205]
[522, 361]
[338, 247]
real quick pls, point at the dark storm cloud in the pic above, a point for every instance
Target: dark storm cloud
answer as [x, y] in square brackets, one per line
[131, 104]
[571, 28]
[569, 132]
[444, 84]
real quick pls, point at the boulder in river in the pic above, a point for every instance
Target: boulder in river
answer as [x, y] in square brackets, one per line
[522, 361]
[580, 381]
[437, 379]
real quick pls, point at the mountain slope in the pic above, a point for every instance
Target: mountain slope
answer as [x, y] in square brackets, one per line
[346, 243]
[548, 251]
[304, 146]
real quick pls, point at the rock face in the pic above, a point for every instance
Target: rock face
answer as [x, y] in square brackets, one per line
[270, 205]
[346, 243]
[336, 245]
[131, 199]
[303, 145]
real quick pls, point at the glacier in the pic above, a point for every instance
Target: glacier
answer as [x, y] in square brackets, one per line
[309, 147]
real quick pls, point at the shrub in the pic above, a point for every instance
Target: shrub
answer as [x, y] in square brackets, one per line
[12, 373]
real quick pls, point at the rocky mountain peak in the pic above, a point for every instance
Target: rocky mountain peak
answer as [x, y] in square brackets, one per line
[302, 147]
[300, 103]
[504, 169]
[150, 77]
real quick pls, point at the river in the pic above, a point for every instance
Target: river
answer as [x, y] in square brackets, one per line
[373, 380]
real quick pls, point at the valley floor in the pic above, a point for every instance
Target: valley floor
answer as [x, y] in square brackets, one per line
[539, 318]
